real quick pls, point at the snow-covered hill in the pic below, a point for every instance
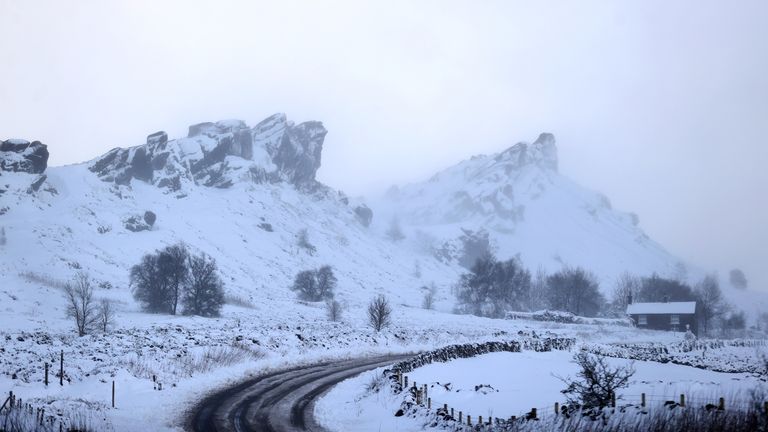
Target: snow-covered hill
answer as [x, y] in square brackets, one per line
[242, 194]
[530, 210]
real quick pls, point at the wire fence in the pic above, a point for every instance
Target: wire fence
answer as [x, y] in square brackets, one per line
[643, 402]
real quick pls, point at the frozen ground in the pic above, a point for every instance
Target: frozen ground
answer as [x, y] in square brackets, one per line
[191, 356]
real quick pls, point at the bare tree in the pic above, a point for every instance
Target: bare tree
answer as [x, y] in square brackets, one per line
[204, 292]
[105, 315]
[575, 290]
[379, 313]
[80, 303]
[626, 289]
[158, 280]
[315, 285]
[326, 282]
[334, 310]
[394, 232]
[173, 264]
[711, 304]
[302, 241]
[537, 295]
[429, 296]
[493, 287]
[598, 381]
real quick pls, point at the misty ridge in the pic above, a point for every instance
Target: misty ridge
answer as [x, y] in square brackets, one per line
[470, 217]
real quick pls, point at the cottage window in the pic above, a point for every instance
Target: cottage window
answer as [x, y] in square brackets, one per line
[642, 320]
[674, 320]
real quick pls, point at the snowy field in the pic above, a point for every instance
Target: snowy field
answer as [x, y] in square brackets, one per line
[506, 384]
[192, 356]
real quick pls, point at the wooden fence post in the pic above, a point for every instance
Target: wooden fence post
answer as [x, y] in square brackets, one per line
[533, 412]
[61, 369]
[721, 405]
[613, 400]
[682, 400]
[455, 417]
[429, 403]
[46, 374]
[113, 394]
[642, 400]
[460, 414]
[480, 420]
[557, 408]
[406, 382]
[469, 420]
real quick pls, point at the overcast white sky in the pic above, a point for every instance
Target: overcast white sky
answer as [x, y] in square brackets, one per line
[663, 106]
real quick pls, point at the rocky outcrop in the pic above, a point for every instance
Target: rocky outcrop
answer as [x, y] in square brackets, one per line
[18, 155]
[543, 152]
[220, 154]
[364, 215]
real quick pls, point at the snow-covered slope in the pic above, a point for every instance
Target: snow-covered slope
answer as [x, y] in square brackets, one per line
[530, 210]
[243, 206]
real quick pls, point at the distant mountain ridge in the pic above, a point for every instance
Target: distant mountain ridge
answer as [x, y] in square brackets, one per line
[243, 194]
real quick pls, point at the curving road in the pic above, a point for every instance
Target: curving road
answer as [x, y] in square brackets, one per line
[280, 401]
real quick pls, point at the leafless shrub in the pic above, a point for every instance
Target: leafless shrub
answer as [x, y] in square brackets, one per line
[217, 357]
[302, 241]
[106, 315]
[238, 301]
[334, 310]
[428, 302]
[379, 313]
[376, 383]
[598, 381]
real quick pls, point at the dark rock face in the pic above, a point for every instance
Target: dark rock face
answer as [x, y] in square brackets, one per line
[35, 186]
[298, 156]
[23, 156]
[364, 215]
[150, 217]
[136, 223]
[220, 154]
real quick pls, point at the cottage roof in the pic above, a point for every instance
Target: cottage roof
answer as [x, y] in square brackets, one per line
[662, 308]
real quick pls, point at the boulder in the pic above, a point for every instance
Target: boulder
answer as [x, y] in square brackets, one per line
[22, 156]
[364, 215]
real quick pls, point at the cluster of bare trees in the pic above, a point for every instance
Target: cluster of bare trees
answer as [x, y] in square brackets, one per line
[494, 287]
[172, 276]
[320, 284]
[315, 285]
[88, 313]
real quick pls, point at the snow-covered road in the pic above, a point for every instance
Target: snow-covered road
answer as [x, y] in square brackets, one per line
[279, 401]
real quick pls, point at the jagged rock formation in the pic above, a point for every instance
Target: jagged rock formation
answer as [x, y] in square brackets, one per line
[219, 154]
[18, 155]
[487, 187]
